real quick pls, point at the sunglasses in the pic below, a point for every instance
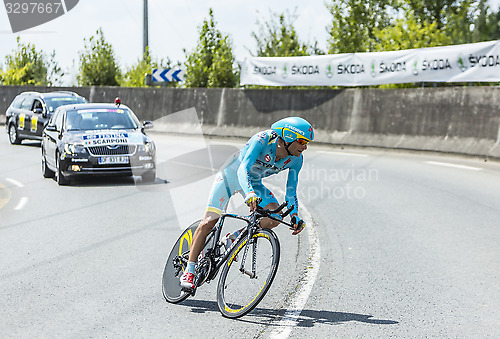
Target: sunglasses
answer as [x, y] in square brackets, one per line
[302, 141]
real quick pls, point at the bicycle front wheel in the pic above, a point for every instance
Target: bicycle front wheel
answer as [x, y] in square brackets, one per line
[240, 288]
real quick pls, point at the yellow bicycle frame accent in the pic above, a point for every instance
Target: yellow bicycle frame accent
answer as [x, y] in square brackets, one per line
[239, 309]
[188, 236]
[236, 253]
[262, 235]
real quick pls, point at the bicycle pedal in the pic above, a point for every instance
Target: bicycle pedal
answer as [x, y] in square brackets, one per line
[189, 291]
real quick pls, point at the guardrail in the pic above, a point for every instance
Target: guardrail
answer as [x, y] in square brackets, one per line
[462, 120]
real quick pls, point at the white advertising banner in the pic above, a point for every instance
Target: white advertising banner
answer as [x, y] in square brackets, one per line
[478, 62]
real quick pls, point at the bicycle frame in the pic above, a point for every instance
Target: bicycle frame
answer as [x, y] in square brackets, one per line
[252, 227]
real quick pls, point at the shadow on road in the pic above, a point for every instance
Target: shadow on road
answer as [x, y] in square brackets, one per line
[307, 318]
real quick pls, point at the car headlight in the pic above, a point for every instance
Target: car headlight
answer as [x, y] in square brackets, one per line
[148, 147]
[73, 148]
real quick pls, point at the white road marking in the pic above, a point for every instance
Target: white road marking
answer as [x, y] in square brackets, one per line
[344, 153]
[21, 203]
[446, 164]
[290, 318]
[14, 182]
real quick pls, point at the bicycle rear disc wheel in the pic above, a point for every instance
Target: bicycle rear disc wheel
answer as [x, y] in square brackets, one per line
[238, 293]
[175, 265]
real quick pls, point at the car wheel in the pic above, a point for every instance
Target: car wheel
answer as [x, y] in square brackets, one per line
[46, 172]
[61, 180]
[13, 136]
[149, 176]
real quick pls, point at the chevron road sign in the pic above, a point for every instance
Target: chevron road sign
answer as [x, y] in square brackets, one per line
[167, 75]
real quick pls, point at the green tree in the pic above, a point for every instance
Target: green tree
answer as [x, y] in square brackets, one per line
[494, 22]
[433, 10]
[27, 66]
[354, 23]
[135, 74]
[97, 63]
[454, 17]
[407, 34]
[212, 63]
[369, 25]
[459, 21]
[277, 37]
[487, 23]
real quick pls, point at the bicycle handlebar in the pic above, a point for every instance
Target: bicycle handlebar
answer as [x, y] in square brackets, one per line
[288, 211]
[268, 213]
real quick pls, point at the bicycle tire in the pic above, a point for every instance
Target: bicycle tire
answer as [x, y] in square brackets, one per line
[237, 293]
[171, 287]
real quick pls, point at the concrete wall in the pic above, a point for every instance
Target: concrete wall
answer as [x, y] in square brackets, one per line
[458, 120]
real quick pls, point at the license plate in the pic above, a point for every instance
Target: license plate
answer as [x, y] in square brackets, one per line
[113, 160]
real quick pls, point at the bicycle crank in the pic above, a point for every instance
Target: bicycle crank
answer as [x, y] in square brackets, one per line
[202, 271]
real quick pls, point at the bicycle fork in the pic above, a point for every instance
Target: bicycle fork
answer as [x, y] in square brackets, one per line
[253, 241]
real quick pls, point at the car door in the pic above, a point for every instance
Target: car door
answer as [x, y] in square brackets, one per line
[24, 118]
[51, 137]
[38, 118]
[14, 110]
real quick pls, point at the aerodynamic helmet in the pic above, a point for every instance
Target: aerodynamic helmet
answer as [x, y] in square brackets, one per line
[293, 128]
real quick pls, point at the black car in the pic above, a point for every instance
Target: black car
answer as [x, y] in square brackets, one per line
[102, 139]
[29, 113]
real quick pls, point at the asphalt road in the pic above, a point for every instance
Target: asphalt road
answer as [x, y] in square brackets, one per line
[409, 248]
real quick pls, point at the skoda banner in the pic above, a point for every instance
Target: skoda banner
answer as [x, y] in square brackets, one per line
[478, 62]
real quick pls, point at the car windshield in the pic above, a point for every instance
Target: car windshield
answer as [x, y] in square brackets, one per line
[102, 118]
[53, 103]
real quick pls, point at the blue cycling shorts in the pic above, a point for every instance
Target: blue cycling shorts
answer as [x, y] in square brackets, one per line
[225, 186]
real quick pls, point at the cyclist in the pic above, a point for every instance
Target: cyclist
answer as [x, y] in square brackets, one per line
[266, 153]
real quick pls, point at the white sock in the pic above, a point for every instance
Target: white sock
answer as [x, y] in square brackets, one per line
[190, 267]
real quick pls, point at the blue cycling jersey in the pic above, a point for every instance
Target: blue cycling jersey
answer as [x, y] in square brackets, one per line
[244, 173]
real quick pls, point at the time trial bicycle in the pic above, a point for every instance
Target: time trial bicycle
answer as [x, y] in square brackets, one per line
[249, 264]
